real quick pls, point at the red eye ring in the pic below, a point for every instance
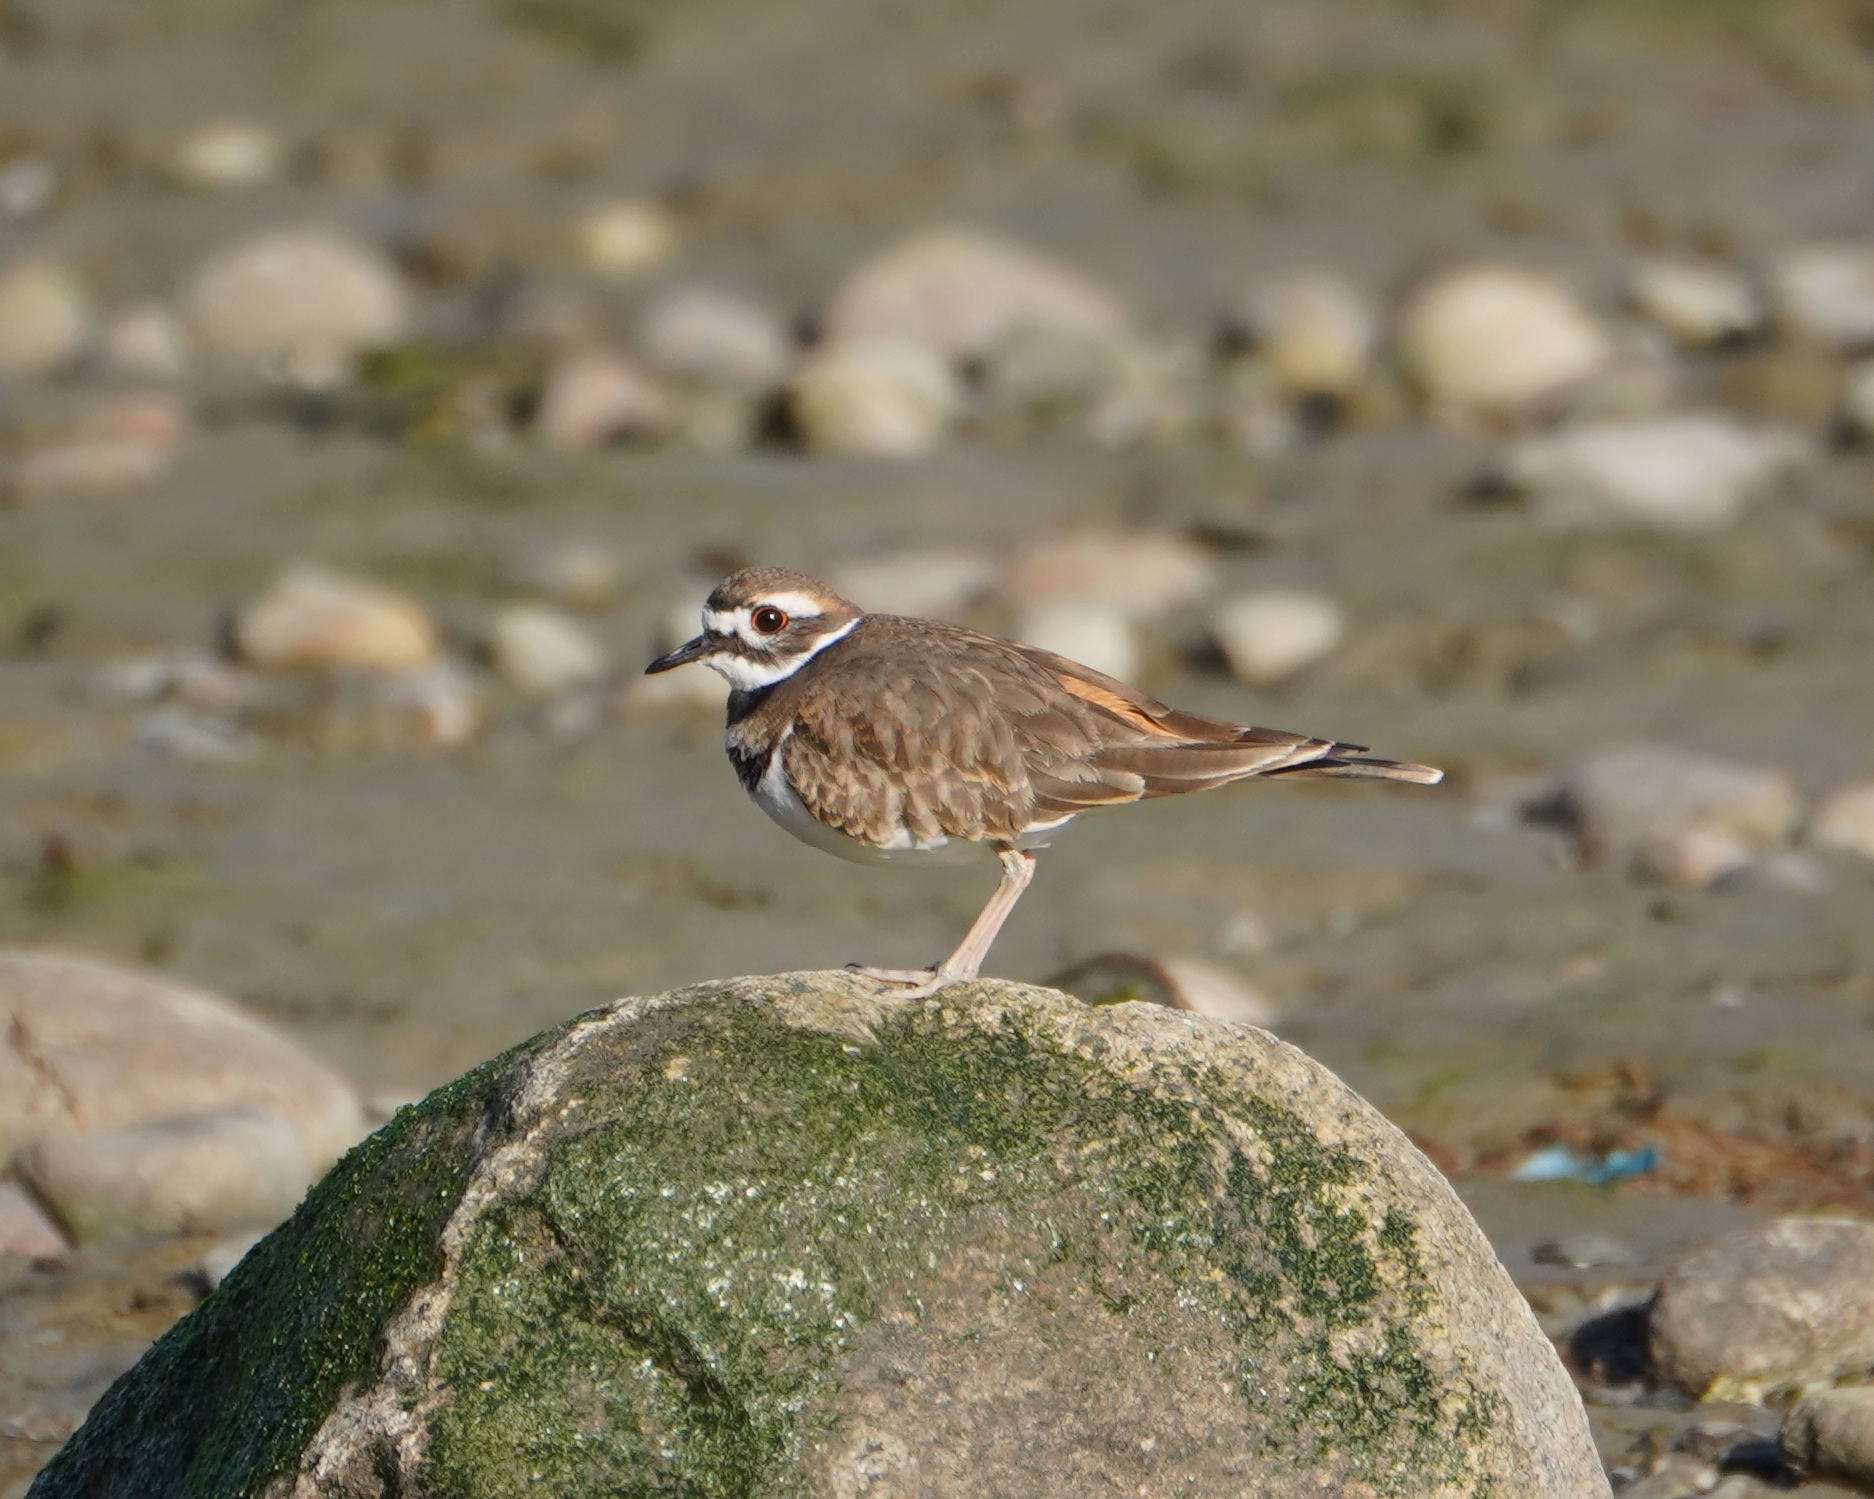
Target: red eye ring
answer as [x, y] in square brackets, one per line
[768, 620]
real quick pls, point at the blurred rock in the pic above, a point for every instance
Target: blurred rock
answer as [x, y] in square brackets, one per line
[626, 239]
[1857, 399]
[1273, 634]
[1644, 376]
[937, 585]
[46, 318]
[1489, 343]
[961, 293]
[1139, 575]
[715, 336]
[235, 1167]
[579, 572]
[225, 155]
[1674, 1475]
[1083, 630]
[222, 1256]
[193, 736]
[1699, 304]
[594, 397]
[1825, 294]
[83, 466]
[1770, 1308]
[1587, 1251]
[146, 341]
[313, 296]
[1253, 414]
[28, 184]
[886, 398]
[24, 1230]
[437, 705]
[192, 677]
[1044, 371]
[1831, 1435]
[1193, 984]
[542, 651]
[1845, 820]
[1153, 399]
[1678, 472]
[1674, 811]
[88, 1046]
[1316, 331]
[313, 618]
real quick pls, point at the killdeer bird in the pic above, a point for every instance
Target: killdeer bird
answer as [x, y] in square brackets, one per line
[878, 737]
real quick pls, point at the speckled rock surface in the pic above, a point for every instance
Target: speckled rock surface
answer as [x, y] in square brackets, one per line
[781, 1236]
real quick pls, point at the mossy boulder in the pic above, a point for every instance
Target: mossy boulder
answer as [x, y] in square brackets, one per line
[784, 1236]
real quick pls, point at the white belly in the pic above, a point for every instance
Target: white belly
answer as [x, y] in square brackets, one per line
[776, 796]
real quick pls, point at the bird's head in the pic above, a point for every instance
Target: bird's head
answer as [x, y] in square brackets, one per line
[763, 624]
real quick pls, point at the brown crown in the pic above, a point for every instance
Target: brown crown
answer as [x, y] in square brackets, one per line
[741, 589]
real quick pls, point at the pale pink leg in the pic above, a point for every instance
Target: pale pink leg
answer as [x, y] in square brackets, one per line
[1018, 868]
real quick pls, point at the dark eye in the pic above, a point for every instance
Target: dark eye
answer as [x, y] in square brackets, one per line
[769, 620]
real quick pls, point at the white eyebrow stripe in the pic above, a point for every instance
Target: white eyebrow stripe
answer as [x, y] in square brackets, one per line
[797, 605]
[719, 621]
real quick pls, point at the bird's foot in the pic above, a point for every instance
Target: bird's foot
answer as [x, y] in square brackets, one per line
[916, 983]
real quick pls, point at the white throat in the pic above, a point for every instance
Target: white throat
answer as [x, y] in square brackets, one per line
[747, 675]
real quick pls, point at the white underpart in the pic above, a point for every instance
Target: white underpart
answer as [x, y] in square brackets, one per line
[776, 796]
[746, 675]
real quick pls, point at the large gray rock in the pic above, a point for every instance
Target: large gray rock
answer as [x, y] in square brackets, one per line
[1767, 1309]
[87, 1046]
[782, 1236]
[240, 1167]
[1831, 1435]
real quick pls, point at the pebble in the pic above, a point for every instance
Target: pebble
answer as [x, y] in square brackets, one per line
[28, 184]
[960, 293]
[1830, 1434]
[1180, 983]
[1771, 1308]
[1674, 1475]
[146, 341]
[313, 618]
[579, 572]
[46, 318]
[1825, 293]
[1698, 303]
[219, 1260]
[437, 705]
[216, 1170]
[934, 585]
[594, 397]
[887, 398]
[193, 737]
[1586, 1251]
[1138, 574]
[313, 296]
[1845, 820]
[1272, 634]
[226, 155]
[1049, 369]
[1646, 801]
[87, 1046]
[1317, 331]
[24, 1229]
[1093, 634]
[715, 336]
[84, 466]
[1489, 343]
[1686, 473]
[543, 651]
[625, 239]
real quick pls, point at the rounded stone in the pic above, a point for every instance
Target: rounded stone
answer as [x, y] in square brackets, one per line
[300, 292]
[1773, 1308]
[46, 318]
[1488, 342]
[313, 618]
[886, 398]
[543, 651]
[785, 1236]
[1317, 331]
[1272, 634]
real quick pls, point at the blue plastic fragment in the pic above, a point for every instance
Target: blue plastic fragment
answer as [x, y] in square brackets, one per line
[1557, 1163]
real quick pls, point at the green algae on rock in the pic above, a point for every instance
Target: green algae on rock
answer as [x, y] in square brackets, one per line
[785, 1236]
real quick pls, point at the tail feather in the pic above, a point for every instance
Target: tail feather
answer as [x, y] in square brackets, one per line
[1345, 767]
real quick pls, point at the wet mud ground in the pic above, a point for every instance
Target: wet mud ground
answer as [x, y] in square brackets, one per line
[409, 911]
